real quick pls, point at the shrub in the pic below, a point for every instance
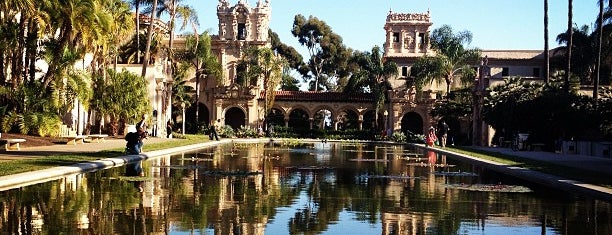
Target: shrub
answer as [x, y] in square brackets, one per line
[226, 132]
[398, 136]
[246, 132]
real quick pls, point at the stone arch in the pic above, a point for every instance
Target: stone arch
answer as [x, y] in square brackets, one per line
[322, 117]
[369, 118]
[299, 119]
[276, 116]
[413, 122]
[301, 107]
[347, 118]
[235, 117]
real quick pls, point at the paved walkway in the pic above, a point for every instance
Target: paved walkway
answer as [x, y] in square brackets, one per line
[588, 163]
[599, 165]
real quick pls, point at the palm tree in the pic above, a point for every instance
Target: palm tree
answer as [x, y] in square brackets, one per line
[583, 52]
[78, 21]
[199, 55]
[452, 60]
[599, 45]
[262, 63]
[147, 55]
[546, 55]
[372, 76]
[175, 9]
[136, 4]
[570, 30]
[12, 41]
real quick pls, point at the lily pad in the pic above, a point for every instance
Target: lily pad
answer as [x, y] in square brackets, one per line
[455, 173]
[394, 177]
[232, 173]
[502, 188]
[131, 178]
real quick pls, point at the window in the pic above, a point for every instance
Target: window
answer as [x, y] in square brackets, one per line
[396, 37]
[505, 72]
[241, 70]
[422, 39]
[404, 71]
[536, 72]
[242, 32]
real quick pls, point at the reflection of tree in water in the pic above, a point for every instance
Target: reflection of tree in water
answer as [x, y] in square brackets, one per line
[192, 201]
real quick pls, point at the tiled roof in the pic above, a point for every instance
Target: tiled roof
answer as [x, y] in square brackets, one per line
[322, 96]
[513, 54]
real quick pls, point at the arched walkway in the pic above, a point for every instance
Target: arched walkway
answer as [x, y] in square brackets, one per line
[235, 117]
[299, 120]
[276, 117]
[347, 119]
[412, 122]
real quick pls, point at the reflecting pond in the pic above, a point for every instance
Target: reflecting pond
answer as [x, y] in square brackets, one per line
[308, 188]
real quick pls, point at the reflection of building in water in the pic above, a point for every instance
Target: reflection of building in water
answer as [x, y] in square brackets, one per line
[234, 214]
[405, 223]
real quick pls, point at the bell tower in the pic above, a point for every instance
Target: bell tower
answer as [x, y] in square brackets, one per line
[240, 26]
[407, 34]
[229, 98]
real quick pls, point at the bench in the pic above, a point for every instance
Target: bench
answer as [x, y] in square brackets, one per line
[13, 144]
[97, 137]
[537, 146]
[507, 144]
[71, 136]
[77, 139]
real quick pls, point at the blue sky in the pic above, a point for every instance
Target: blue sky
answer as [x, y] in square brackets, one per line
[495, 24]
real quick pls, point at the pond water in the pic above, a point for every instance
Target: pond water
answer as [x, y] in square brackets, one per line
[309, 188]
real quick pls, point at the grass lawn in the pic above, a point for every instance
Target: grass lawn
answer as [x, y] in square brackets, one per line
[27, 165]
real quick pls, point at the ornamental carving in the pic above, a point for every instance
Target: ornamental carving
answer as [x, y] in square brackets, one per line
[408, 17]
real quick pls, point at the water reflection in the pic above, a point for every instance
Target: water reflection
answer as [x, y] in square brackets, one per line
[320, 188]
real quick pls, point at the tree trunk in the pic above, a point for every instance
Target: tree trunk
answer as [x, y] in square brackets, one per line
[546, 54]
[137, 31]
[570, 44]
[171, 40]
[147, 56]
[600, 41]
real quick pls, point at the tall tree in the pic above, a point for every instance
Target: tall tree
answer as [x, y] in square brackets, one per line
[262, 65]
[583, 53]
[372, 76]
[175, 9]
[328, 56]
[453, 60]
[147, 55]
[546, 53]
[77, 23]
[599, 46]
[570, 44]
[199, 55]
[136, 5]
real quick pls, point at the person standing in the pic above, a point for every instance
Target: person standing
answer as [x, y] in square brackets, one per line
[214, 126]
[443, 134]
[169, 129]
[141, 129]
[431, 137]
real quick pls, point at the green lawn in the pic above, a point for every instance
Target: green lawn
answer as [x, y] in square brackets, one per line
[27, 165]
